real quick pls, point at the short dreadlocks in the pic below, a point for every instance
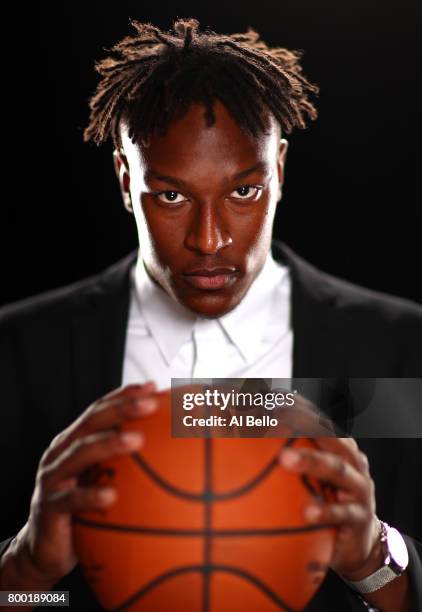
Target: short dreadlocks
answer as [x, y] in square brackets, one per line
[155, 75]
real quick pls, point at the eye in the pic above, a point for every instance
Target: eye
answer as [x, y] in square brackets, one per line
[170, 197]
[247, 192]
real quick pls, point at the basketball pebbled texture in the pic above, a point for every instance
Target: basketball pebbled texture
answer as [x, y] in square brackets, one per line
[202, 525]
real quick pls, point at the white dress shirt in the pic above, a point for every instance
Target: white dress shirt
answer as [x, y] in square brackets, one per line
[165, 340]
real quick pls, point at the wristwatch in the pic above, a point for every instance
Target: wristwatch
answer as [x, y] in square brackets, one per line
[396, 559]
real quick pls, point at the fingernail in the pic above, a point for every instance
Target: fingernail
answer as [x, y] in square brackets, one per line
[131, 439]
[312, 513]
[290, 458]
[147, 405]
[150, 384]
[141, 406]
[106, 495]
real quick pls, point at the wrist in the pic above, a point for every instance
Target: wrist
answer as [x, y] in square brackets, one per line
[373, 563]
[18, 570]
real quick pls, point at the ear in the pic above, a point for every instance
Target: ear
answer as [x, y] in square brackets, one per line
[281, 159]
[121, 168]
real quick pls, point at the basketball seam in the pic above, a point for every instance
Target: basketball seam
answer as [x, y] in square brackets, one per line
[200, 497]
[217, 533]
[199, 568]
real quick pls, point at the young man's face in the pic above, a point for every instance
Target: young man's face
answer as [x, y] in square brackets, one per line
[204, 200]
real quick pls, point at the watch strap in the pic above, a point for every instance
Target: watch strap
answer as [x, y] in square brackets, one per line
[373, 582]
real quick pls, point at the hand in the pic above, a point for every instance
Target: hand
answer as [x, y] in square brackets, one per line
[46, 539]
[340, 463]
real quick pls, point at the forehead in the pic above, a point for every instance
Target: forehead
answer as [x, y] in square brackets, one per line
[190, 143]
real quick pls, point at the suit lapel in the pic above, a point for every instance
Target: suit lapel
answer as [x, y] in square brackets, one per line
[315, 351]
[99, 331]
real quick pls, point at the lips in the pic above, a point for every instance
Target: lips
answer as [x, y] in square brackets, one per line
[210, 271]
[211, 278]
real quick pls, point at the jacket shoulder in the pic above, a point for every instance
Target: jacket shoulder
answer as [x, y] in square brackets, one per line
[359, 300]
[343, 329]
[49, 305]
[347, 297]
[67, 300]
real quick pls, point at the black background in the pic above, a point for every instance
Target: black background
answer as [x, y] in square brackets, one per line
[351, 201]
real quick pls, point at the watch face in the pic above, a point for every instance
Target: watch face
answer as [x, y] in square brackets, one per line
[397, 548]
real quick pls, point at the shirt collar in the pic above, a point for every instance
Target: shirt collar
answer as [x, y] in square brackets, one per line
[246, 323]
[171, 324]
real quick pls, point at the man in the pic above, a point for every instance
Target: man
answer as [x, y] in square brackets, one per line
[197, 121]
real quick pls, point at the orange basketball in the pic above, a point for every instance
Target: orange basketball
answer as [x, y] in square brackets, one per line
[211, 524]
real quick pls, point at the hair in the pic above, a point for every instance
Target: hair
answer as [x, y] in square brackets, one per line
[154, 76]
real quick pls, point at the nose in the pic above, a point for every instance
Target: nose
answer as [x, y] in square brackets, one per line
[207, 234]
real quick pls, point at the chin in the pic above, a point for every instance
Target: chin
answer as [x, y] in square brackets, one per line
[211, 307]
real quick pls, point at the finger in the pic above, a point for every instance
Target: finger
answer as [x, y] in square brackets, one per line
[114, 408]
[336, 514]
[326, 467]
[85, 452]
[147, 387]
[114, 413]
[80, 499]
[347, 448]
[102, 415]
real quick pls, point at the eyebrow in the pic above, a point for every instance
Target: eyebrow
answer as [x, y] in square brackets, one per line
[150, 174]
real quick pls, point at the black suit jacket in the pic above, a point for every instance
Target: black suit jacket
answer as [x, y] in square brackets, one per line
[62, 350]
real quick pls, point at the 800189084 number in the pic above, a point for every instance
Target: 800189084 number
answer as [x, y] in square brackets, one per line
[31, 598]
